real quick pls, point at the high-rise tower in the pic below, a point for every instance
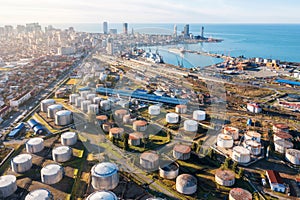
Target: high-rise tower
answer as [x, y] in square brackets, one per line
[105, 27]
[125, 28]
[202, 32]
[186, 31]
[175, 31]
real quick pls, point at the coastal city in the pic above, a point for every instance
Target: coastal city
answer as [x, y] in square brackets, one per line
[122, 113]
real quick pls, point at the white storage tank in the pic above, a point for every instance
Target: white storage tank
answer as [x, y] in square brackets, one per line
[239, 194]
[104, 176]
[52, 109]
[282, 136]
[84, 94]
[149, 160]
[52, 173]
[186, 184]
[172, 118]
[21, 163]
[119, 114]
[182, 152]
[90, 97]
[85, 104]
[181, 109]
[225, 141]
[225, 177]
[199, 115]
[105, 105]
[73, 97]
[61, 154]
[154, 110]
[168, 170]
[39, 194]
[282, 145]
[45, 103]
[8, 185]
[240, 154]
[293, 156]
[78, 101]
[116, 132]
[233, 131]
[97, 100]
[140, 125]
[190, 125]
[280, 127]
[135, 138]
[68, 138]
[63, 117]
[102, 195]
[253, 146]
[93, 109]
[252, 135]
[34, 145]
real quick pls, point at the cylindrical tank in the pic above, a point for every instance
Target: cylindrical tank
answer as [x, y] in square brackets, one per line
[252, 135]
[280, 127]
[102, 195]
[239, 194]
[52, 109]
[32, 123]
[186, 184]
[105, 176]
[234, 132]
[140, 125]
[172, 118]
[168, 170]
[105, 105]
[181, 109]
[116, 132]
[282, 145]
[135, 138]
[190, 125]
[154, 110]
[52, 173]
[106, 127]
[90, 97]
[84, 94]
[93, 109]
[78, 101]
[39, 194]
[225, 177]
[253, 146]
[68, 138]
[21, 163]
[282, 136]
[102, 119]
[63, 117]
[119, 114]
[85, 104]
[73, 97]
[34, 145]
[8, 185]
[97, 100]
[199, 115]
[293, 156]
[149, 160]
[45, 103]
[240, 154]
[182, 152]
[62, 154]
[225, 141]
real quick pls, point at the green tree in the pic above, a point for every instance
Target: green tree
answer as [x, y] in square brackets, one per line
[234, 166]
[241, 172]
[125, 140]
[227, 163]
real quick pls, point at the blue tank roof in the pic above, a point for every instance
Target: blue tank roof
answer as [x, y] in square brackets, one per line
[39, 129]
[32, 123]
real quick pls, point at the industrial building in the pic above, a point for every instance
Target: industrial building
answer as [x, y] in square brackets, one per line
[275, 181]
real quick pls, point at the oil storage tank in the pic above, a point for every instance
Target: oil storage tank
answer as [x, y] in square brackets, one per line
[225, 177]
[120, 113]
[34, 145]
[93, 109]
[102, 195]
[105, 176]
[8, 185]
[240, 154]
[282, 145]
[39, 194]
[52, 109]
[116, 132]
[62, 154]
[154, 110]
[199, 115]
[45, 103]
[105, 105]
[32, 123]
[135, 138]
[90, 96]
[186, 184]
[85, 104]
[140, 125]
[239, 194]
[172, 118]
[181, 109]
[149, 160]
[73, 97]
[78, 101]
[190, 125]
[68, 138]
[293, 156]
[21, 163]
[252, 135]
[253, 146]
[52, 173]
[182, 152]
[97, 100]
[63, 118]
[233, 131]
[225, 141]
[168, 170]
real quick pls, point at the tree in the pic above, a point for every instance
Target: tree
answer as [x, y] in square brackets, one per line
[227, 163]
[125, 140]
[234, 166]
[241, 172]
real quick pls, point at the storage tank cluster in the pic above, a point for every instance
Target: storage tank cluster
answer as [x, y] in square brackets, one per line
[135, 138]
[253, 146]
[252, 135]
[46, 103]
[186, 184]
[168, 170]
[102, 195]
[282, 145]
[181, 109]
[116, 132]
[39, 194]
[84, 105]
[190, 125]
[52, 173]
[21, 163]
[225, 141]
[105, 105]
[199, 115]
[239, 194]
[225, 177]
[61, 153]
[34, 145]
[233, 131]
[149, 160]
[8, 185]
[68, 138]
[52, 109]
[182, 152]
[104, 176]
[293, 156]
[154, 110]
[119, 114]
[63, 118]
[140, 125]
[172, 118]
[72, 98]
[240, 154]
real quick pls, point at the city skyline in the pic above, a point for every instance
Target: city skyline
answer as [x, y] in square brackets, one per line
[194, 11]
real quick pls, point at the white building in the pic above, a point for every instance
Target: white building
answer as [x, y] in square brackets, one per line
[275, 181]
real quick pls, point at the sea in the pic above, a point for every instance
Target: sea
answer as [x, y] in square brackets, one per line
[274, 41]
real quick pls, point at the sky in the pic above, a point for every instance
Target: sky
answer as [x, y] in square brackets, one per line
[150, 11]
